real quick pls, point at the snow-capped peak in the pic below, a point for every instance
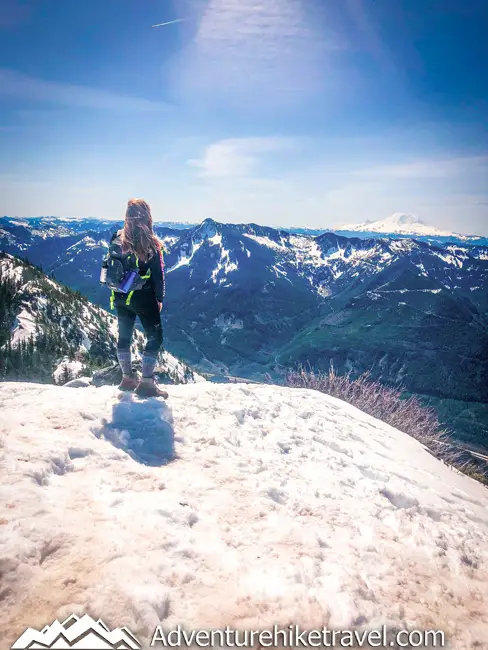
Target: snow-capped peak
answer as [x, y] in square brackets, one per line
[208, 228]
[401, 224]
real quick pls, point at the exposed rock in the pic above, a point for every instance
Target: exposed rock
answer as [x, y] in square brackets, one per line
[80, 382]
[108, 376]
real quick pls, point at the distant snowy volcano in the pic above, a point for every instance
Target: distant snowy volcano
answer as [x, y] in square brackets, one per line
[236, 505]
[400, 224]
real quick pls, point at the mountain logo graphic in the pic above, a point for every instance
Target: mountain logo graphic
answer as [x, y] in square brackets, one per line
[77, 633]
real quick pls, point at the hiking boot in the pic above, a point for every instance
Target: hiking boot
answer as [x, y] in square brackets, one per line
[148, 388]
[129, 382]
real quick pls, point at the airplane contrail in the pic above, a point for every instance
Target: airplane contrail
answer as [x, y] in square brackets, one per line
[170, 22]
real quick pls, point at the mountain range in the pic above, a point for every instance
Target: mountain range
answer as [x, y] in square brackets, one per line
[397, 225]
[249, 300]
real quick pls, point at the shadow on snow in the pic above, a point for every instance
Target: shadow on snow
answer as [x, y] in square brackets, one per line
[142, 428]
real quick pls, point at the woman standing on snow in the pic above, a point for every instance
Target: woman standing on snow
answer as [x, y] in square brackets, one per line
[137, 240]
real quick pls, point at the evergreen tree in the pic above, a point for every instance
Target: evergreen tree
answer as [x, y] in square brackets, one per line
[66, 376]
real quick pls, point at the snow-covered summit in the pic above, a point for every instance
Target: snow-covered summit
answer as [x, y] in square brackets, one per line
[235, 505]
[400, 224]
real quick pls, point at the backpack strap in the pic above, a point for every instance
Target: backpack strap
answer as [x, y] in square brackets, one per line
[116, 235]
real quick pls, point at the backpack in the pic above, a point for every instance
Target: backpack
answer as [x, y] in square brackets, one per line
[120, 271]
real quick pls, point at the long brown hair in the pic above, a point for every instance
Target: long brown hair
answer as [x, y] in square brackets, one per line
[138, 236]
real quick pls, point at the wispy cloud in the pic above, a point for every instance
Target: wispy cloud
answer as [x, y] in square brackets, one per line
[286, 180]
[245, 47]
[428, 168]
[238, 157]
[358, 11]
[23, 87]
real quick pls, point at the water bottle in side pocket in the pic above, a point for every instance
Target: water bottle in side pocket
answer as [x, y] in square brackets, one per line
[127, 282]
[103, 273]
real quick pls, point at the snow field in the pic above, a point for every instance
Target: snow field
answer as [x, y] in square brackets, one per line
[237, 505]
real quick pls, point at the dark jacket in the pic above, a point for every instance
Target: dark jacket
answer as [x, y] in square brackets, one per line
[156, 282]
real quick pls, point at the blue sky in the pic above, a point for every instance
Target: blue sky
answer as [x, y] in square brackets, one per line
[291, 112]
